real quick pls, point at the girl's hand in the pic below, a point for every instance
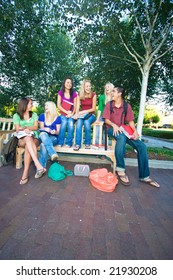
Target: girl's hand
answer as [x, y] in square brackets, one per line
[53, 131]
[47, 129]
[75, 116]
[27, 130]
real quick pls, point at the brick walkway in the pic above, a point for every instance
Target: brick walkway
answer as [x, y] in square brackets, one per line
[72, 220]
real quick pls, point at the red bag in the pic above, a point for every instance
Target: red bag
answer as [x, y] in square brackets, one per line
[103, 180]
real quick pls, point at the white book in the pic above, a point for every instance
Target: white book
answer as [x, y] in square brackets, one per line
[21, 134]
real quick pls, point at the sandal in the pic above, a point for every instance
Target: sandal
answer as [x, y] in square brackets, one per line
[40, 173]
[76, 148]
[121, 177]
[150, 182]
[87, 146]
[24, 181]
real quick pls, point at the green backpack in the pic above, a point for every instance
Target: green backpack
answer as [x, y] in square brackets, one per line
[57, 172]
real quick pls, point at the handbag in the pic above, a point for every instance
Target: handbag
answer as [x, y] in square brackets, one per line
[57, 172]
[103, 180]
[82, 170]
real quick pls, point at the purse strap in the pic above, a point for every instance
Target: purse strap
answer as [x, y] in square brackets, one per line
[68, 172]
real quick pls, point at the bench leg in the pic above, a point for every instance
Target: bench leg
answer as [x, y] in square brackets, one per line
[19, 154]
[114, 163]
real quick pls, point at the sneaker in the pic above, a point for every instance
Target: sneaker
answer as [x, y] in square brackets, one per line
[54, 157]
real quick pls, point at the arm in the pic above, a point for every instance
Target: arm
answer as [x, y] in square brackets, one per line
[98, 116]
[116, 129]
[135, 134]
[26, 129]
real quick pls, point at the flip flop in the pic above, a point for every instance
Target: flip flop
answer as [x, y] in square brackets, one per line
[76, 148]
[150, 182]
[24, 181]
[40, 173]
[121, 177]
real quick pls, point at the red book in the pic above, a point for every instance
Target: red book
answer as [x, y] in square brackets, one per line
[67, 105]
[127, 130]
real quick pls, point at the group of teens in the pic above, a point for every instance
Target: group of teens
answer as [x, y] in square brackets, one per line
[58, 129]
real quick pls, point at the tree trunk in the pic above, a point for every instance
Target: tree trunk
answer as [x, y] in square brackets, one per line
[144, 86]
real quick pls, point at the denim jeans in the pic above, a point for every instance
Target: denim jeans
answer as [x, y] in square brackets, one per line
[66, 124]
[138, 145]
[87, 128]
[47, 147]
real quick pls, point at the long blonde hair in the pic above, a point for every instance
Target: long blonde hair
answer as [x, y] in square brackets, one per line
[52, 114]
[82, 89]
[108, 98]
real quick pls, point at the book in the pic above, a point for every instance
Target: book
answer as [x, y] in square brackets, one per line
[21, 134]
[84, 116]
[127, 130]
[43, 130]
[67, 105]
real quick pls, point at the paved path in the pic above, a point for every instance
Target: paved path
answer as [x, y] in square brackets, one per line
[155, 142]
[71, 220]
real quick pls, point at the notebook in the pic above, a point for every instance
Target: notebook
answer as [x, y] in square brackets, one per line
[67, 105]
[127, 130]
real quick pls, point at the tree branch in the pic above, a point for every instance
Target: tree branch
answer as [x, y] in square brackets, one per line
[140, 29]
[157, 58]
[162, 41]
[132, 54]
[154, 22]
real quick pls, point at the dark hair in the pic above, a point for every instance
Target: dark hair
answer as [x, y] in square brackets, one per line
[63, 87]
[121, 89]
[22, 106]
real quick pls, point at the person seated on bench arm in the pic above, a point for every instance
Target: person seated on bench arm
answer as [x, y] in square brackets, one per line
[86, 116]
[27, 121]
[49, 129]
[114, 118]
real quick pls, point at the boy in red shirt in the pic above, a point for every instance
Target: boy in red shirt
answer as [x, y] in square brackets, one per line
[114, 119]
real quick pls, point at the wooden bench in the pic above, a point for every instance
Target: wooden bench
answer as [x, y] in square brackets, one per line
[7, 130]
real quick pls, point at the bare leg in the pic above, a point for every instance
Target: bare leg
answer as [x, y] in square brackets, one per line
[30, 145]
[32, 149]
[27, 162]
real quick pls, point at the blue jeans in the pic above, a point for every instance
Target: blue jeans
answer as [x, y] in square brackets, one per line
[87, 127]
[66, 123]
[47, 147]
[138, 145]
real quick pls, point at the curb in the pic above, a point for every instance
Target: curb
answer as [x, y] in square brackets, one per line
[163, 164]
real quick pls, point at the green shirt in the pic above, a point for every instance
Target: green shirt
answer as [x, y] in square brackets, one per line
[30, 122]
[102, 104]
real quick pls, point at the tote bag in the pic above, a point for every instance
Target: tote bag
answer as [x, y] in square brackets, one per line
[103, 180]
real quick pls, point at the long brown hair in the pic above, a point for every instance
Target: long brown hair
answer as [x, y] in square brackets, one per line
[22, 106]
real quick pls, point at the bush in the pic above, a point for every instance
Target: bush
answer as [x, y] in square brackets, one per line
[159, 133]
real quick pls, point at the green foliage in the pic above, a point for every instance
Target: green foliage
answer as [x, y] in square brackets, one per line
[159, 133]
[36, 54]
[151, 116]
[39, 110]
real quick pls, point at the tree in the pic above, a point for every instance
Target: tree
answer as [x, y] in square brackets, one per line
[36, 54]
[147, 38]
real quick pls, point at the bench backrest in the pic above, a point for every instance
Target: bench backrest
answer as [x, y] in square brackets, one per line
[6, 124]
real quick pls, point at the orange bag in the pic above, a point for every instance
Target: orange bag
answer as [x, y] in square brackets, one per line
[103, 180]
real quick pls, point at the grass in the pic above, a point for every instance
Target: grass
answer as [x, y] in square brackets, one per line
[153, 153]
